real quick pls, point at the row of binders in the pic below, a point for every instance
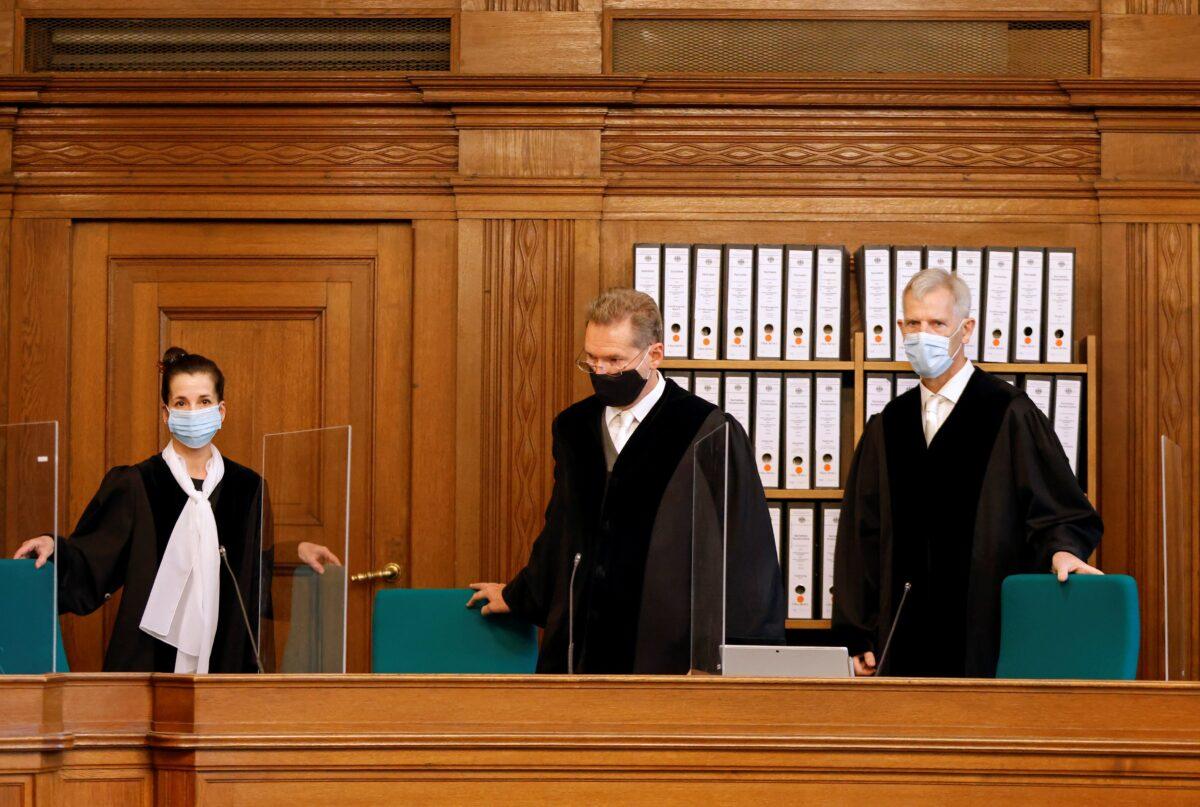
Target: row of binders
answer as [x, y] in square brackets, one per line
[794, 421]
[808, 531]
[748, 302]
[1022, 300]
[791, 302]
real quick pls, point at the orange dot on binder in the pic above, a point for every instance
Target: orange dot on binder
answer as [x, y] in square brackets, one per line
[766, 337]
[1058, 343]
[828, 467]
[878, 338]
[675, 338]
[799, 470]
[1027, 340]
[800, 599]
[995, 343]
[737, 340]
[799, 340]
[706, 341]
[766, 467]
[828, 338]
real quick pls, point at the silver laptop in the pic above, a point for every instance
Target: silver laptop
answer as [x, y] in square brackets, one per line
[781, 661]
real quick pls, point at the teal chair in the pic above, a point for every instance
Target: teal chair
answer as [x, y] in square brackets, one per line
[1086, 628]
[26, 616]
[432, 631]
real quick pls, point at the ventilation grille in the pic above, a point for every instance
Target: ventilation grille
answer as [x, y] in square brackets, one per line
[405, 44]
[930, 47]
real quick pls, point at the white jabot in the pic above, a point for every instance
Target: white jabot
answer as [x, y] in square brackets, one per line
[937, 406]
[622, 422]
[182, 608]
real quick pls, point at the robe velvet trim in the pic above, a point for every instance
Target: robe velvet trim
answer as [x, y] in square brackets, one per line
[991, 495]
[120, 540]
[633, 529]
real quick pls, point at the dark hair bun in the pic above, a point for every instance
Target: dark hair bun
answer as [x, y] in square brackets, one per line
[172, 356]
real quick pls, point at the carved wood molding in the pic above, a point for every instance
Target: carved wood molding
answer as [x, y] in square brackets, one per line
[528, 324]
[35, 155]
[532, 5]
[1162, 6]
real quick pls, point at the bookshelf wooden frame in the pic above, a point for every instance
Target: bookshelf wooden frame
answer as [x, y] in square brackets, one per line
[858, 367]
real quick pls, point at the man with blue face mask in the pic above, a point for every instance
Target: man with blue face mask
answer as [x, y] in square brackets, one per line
[955, 485]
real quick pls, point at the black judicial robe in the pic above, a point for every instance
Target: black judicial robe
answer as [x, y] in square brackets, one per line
[120, 540]
[633, 528]
[990, 496]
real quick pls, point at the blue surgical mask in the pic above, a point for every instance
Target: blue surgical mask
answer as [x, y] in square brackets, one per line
[195, 428]
[929, 353]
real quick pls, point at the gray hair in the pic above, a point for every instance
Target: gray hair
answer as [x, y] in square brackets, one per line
[616, 305]
[928, 280]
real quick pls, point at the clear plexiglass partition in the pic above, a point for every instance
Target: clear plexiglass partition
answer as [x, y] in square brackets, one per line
[28, 508]
[306, 500]
[709, 502]
[1177, 565]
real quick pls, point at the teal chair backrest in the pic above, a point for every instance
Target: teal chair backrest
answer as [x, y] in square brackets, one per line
[1086, 628]
[26, 619]
[432, 631]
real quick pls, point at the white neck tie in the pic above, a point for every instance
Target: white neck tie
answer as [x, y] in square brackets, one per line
[931, 418]
[623, 428]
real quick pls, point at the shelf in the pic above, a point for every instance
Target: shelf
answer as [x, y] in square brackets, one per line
[796, 366]
[991, 367]
[813, 494]
[808, 624]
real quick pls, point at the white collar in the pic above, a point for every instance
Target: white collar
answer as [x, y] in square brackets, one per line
[642, 407]
[952, 390]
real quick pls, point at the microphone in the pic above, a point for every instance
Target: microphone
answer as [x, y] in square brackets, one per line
[892, 632]
[571, 615]
[242, 604]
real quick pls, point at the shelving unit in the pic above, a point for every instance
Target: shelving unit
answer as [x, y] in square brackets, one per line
[857, 367]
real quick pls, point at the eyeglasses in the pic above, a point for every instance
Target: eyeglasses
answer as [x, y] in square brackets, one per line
[592, 368]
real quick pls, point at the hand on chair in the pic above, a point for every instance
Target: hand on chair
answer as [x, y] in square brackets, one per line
[492, 597]
[41, 548]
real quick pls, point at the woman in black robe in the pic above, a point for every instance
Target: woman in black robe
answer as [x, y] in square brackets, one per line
[137, 518]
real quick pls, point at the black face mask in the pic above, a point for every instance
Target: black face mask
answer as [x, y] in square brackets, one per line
[618, 390]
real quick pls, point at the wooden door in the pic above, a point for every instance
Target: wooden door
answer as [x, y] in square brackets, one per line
[288, 311]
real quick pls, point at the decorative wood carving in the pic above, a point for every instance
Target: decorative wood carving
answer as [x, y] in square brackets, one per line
[528, 322]
[57, 140]
[532, 5]
[1162, 7]
[715, 139]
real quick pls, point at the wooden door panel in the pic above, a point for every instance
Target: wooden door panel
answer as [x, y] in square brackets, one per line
[294, 335]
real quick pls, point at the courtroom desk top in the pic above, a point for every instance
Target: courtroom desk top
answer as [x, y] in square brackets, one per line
[344, 736]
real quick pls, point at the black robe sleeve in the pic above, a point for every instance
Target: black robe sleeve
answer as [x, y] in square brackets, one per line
[857, 562]
[530, 594]
[755, 605]
[1057, 514]
[93, 561]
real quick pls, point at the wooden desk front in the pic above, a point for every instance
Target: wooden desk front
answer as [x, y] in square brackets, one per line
[355, 740]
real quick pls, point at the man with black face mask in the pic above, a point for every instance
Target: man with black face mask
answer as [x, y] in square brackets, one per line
[620, 515]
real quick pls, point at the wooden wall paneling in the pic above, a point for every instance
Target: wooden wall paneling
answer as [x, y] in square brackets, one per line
[435, 345]
[38, 347]
[84, 456]
[529, 323]
[393, 420]
[1149, 46]
[473, 298]
[542, 43]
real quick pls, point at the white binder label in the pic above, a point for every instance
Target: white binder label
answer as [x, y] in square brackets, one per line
[801, 532]
[707, 318]
[769, 293]
[998, 309]
[739, 302]
[798, 432]
[969, 267]
[798, 317]
[737, 398]
[877, 302]
[1068, 406]
[708, 387]
[831, 281]
[828, 431]
[879, 394]
[908, 263]
[647, 271]
[676, 280]
[1030, 271]
[1060, 304]
[830, 516]
[767, 400]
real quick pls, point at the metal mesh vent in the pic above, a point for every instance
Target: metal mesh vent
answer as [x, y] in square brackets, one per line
[405, 44]
[938, 47]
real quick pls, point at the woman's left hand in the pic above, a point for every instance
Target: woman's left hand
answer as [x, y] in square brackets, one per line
[316, 556]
